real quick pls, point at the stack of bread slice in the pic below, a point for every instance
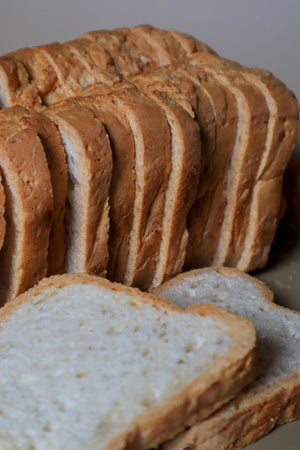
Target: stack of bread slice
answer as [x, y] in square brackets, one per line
[175, 156]
[274, 397]
[88, 364]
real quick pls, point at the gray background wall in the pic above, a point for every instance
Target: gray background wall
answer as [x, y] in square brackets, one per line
[263, 33]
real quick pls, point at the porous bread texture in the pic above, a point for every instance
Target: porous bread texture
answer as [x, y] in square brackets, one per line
[273, 397]
[87, 363]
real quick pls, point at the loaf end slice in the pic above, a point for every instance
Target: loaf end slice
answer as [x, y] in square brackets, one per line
[129, 369]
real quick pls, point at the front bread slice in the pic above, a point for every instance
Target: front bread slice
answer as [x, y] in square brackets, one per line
[274, 397]
[28, 206]
[91, 364]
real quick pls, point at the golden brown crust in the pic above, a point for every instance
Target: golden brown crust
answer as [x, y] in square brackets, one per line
[281, 135]
[97, 63]
[88, 221]
[152, 167]
[190, 44]
[202, 396]
[167, 48]
[217, 116]
[112, 42]
[34, 79]
[243, 420]
[55, 155]
[183, 180]
[29, 209]
[229, 272]
[250, 143]
[122, 187]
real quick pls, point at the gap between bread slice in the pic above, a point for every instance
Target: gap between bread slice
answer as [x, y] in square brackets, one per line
[273, 398]
[89, 363]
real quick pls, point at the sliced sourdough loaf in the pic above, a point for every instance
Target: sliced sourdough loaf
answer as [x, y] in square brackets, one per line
[129, 369]
[28, 207]
[89, 163]
[274, 397]
[50, 139]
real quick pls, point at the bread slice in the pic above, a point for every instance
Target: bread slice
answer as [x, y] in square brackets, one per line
[27, 79]
[274, 397]
[28, 207]
[190, 44]
[218, 116]
[282, 129]
[98, 64]
[50, 139]
[152, 168]
[166, 47]
[129, 369]
[122, 186]
[282, 134]
[249, 147]
[112, 42]
[199, 92]
[183, 179]
[89, 162]
[139, 48]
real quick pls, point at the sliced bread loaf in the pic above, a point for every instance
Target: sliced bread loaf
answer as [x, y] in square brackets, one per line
[274, 397]
[91, 364]
[89, 163]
